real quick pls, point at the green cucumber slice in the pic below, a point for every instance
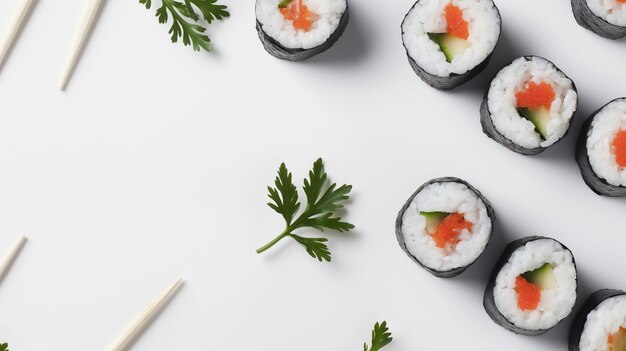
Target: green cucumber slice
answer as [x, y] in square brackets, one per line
[539, 116]
[450, 45]
[433, 219]
[542, 277]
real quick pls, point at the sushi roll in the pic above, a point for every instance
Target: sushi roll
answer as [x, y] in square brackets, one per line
[297, 30]
[445, 226]
[606, 18]
[601, 323]
[601, 150]
[448, 42]
[533, 286]
[529, 105]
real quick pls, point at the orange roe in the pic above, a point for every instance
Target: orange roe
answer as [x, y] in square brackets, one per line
[449, 230]
[300, 15]
[536, 95]
[622, 1]
[455, 24]
[619, 147]
[619, 335]
[528, 295]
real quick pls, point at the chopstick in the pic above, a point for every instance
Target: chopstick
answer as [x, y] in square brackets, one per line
[20, 14]
[10, 257]
[92, 7]
[143, 320]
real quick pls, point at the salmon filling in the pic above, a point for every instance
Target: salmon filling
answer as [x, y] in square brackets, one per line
[455, 24]
[536, 95]
[446, 228]
[619, 147]
[617, 341]
[528, 295]
[296, 11]
[533, 103]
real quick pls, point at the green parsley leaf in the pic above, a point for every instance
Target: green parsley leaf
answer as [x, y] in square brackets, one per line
[210, 10]
[185, 21]
[381, 337]
[282, 4]
[315, 247]
[322, 202]
[4, 347]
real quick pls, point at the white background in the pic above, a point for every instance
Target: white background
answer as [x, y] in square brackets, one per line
[153, 165]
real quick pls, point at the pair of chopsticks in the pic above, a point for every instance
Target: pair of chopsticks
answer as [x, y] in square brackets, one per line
[132, 332]
[90, 12]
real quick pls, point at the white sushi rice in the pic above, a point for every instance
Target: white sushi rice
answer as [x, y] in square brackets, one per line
[609, 10]
[450, 197]
[427, 16]
[604, 127]
[556, 303]
[329, 14]
[503, 103]
[605, 320]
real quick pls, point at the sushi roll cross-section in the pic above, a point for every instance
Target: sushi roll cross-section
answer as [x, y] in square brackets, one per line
[445, 226]
[606, 18]
[297, 30]
[601, 150]
[533, 286]
[600, 325]
[450, 41]
[529, 105]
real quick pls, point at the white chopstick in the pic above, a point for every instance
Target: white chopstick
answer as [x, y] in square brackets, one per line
[21, 12]
[92, 7]
[10, 257]
[139, 325]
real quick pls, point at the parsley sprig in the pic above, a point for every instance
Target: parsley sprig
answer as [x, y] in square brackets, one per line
[381, 337]
[4, 347]
[185, 19]
[322, 202]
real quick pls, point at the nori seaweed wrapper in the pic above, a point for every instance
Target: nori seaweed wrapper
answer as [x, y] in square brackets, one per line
[490, 129]
[489, 302]
[581, 317]
[456, 271]
[587, 19]
[275, 49]
[599, 185]
[453, 80]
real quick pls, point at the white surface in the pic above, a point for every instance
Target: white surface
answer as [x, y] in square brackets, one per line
[154, 162]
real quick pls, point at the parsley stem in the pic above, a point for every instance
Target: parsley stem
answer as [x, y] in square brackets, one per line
[273, 242]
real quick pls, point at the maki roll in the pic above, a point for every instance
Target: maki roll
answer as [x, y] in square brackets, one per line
[601, 323]
[601, 150]
[606, 18]
[448, 42]
[297, 30]
[529, 105]
[533, 286]
[445, 226]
